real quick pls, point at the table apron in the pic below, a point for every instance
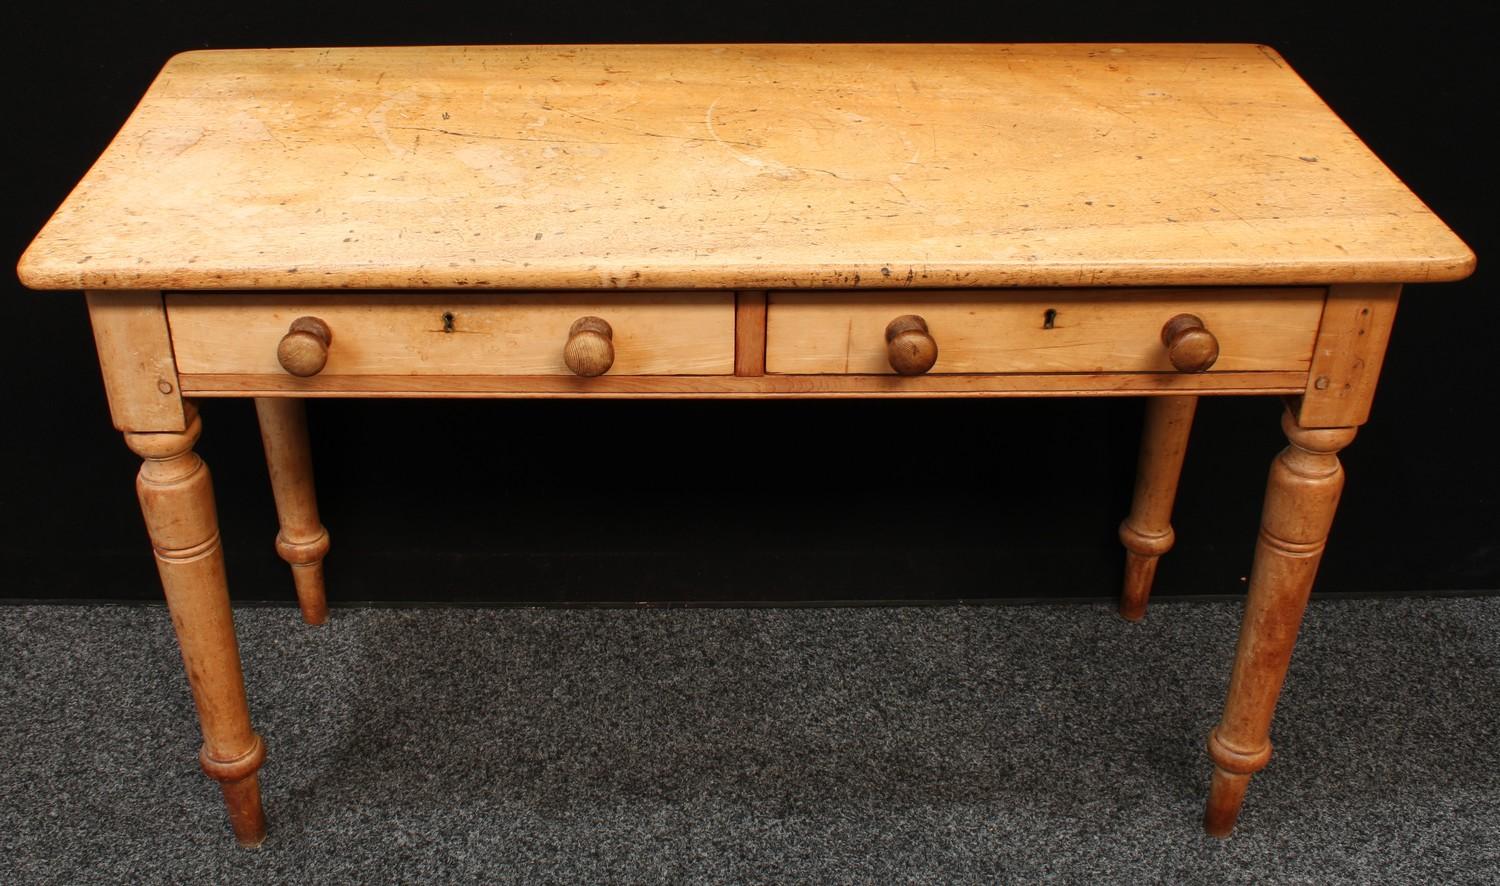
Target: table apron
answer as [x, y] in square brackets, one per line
[725, 344]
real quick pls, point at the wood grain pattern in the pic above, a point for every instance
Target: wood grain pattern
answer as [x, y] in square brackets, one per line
[1191, 346]
[910, 348]
[1147, 532]
[302, 541]
[303, 351]
[750, 333]
[778, 386]
[1350, 350]
[454, 333]
[738, 167]
[177, 500]
[1041, 330]
[135, 357]
[1302, 494]
[590, 349]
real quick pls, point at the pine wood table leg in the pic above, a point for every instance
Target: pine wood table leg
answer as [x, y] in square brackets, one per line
[1147, 532]
[302, 541]
[1301, 496]
[177, 499]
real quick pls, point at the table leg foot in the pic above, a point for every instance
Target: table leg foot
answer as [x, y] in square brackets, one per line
[1302, 494]
[242, 799]
[177, 500]
[1147, 532]
[302, 541]
[1226, 793]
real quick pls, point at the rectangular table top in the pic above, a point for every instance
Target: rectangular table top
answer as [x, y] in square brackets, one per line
[737, 166]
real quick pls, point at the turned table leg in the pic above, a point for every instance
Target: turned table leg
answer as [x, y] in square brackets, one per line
[1147, 532]
[177, 499]
[1301, 495]
[302, 541]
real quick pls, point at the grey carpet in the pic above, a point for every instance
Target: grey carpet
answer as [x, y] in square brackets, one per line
[944, 745]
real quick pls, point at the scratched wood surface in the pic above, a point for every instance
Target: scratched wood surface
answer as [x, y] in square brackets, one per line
[744, 166]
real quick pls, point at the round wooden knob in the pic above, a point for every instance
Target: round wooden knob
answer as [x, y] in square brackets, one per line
[304, 349]
[1190, 346]
[590, 350]
[910, 347]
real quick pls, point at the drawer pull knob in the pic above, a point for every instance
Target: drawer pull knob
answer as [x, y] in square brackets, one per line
[590, 350]
[304, 349]
[910, 347]
[1190, 346]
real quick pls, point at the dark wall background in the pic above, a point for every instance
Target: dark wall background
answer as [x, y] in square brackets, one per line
[775, 501]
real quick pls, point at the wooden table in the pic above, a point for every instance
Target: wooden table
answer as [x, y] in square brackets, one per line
[1168, 221]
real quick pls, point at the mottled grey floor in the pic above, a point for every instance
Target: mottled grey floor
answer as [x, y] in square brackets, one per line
[943, 745]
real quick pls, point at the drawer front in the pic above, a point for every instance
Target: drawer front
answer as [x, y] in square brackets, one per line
[453, 334]
[1001, 331]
